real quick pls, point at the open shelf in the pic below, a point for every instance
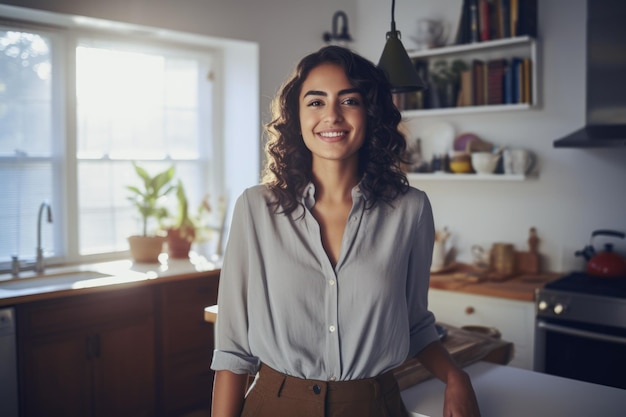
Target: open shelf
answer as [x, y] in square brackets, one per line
[445, 176]
[408, 114]
[473, 47]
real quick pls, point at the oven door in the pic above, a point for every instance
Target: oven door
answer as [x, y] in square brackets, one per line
[581, 351]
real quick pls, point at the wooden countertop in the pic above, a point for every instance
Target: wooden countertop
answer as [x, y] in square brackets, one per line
[466, 278]
[465, 347]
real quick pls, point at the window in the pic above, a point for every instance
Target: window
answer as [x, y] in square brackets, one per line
[27, 137]
[149, 106]
[76, 108]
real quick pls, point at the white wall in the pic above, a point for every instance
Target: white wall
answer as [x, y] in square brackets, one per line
[285, 30]
[577, 191]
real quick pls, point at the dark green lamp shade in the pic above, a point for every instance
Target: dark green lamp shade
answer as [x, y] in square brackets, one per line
[398, 67]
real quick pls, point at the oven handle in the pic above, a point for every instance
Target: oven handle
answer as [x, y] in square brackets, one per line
[581, 333]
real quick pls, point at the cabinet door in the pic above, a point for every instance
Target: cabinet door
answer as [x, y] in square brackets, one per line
[88, 355]
[124, 371]
[187, 345]
[54, 377]
[514, 319]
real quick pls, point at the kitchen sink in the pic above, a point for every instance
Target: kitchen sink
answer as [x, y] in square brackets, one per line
[52, 281]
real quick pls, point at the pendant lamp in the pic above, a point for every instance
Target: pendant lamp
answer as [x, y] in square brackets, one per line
[396, 64]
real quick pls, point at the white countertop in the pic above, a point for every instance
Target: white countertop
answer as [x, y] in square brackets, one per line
[505, 391]
[98, 276]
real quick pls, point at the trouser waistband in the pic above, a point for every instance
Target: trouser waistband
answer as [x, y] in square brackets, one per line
[279, 384]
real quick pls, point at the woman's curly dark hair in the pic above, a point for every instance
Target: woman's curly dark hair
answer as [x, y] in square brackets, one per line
[288, 167]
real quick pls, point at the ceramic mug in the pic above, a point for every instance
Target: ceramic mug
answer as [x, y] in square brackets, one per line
[503, 258]
[518, 161]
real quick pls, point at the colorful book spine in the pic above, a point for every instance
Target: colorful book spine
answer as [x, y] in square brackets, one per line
[484, 20]
[474, 31]
[518, 80]
[495, 81]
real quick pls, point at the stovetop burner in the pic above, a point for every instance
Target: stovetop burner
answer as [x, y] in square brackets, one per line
[580, 282]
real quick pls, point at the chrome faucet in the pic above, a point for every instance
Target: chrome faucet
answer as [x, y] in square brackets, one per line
[39, 263]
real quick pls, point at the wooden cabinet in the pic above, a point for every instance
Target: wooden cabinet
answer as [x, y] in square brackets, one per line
[134, 351]
[89, 355]
[514, 319]
[186, 345]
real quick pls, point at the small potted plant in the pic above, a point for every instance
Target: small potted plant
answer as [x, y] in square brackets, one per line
[182, 233]
[147, 199]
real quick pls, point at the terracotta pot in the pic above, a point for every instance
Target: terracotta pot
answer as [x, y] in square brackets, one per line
[146, 249]
[178, 246]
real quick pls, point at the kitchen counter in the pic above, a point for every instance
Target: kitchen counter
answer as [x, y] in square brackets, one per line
[89, 278]
[465, 278]
[505, 391]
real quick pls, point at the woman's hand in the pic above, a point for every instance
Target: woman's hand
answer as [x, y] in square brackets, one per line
[460, 399]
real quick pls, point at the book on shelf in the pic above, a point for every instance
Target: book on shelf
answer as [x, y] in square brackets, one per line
[474, 28]
[483, 20]
[526, 81]
[526, 18]
[479, 84]
[513, 17]
[466, 93]
[495, 81]
[504, 18]
[463, 28]
[518, 81]
[508, 84]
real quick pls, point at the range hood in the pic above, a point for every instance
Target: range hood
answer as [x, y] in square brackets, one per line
[606, 79]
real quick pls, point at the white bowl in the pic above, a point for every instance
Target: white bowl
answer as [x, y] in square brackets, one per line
[484, 162]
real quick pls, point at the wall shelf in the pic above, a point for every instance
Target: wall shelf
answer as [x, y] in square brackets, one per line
[521, 47]
[409, 114]
[475, 47]
[445, 176]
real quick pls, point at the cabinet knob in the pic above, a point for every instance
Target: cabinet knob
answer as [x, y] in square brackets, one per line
[469, 310]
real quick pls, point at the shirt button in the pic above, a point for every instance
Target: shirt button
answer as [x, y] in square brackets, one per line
[331, 282]
[332, 378]
[332, 328]
[317, 389]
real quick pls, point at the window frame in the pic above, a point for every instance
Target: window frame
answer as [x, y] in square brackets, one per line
[66, 32]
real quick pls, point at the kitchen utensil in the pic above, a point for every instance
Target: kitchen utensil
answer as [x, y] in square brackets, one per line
[606, 263]
[527, 262]
[460, 162]
[518, 161]
[484, 162]
[461, 142]
[431, 33]
[503, 258]
[441, 250]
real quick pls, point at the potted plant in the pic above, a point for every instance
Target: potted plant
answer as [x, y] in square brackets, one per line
[147, 246]
[182, 233]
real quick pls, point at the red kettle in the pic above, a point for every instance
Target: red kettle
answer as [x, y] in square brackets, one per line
[606, 263]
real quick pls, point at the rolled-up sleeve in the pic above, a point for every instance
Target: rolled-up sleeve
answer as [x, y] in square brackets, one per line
[232, 348]
[421, 320]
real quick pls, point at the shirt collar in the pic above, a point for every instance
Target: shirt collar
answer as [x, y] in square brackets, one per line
[308, 196]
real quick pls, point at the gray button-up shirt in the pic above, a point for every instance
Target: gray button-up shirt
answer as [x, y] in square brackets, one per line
[282, 303]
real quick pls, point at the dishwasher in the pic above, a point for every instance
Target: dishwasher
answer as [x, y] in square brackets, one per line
[8, 363]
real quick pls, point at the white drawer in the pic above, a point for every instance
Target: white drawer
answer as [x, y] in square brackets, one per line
[514, 319]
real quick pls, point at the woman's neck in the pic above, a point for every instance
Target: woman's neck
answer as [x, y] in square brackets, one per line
[334, 182]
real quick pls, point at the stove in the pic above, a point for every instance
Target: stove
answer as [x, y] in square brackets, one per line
[584, 298]
[581, 329]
